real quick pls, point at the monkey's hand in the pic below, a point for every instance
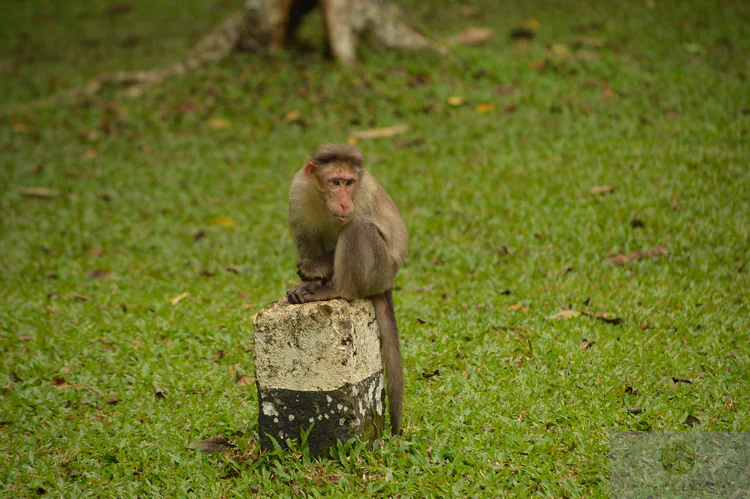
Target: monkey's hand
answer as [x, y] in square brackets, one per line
[315, 269]
[311, 291]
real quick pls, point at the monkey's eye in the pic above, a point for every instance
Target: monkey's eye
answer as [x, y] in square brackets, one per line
[336, 181]
[350, 181]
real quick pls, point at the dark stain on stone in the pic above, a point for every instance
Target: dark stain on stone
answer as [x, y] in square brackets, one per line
[343, 421]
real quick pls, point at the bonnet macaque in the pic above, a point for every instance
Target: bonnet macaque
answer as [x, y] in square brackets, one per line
[351, 242]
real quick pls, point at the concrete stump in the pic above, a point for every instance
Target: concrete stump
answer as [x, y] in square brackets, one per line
[318, 364]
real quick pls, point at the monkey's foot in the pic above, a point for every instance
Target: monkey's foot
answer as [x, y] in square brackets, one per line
[311, 291]
[302, 293]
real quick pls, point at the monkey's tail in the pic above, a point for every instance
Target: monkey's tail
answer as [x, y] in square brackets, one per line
[391, 353]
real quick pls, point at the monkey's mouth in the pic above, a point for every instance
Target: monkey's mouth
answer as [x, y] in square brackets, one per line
[340, 219]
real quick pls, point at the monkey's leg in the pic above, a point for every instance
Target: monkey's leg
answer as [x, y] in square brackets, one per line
[318, 268]
[363, 266]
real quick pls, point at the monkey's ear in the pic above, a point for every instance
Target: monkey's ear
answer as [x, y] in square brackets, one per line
[310, 168]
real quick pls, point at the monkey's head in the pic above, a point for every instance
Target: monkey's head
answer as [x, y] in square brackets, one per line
[336, 170]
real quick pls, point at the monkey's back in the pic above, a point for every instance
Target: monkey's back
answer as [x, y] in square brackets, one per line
[384, 214]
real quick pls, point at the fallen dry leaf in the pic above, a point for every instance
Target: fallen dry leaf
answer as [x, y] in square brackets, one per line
[408, 143]
[565, 314]
[518, 306]
[606, 317]
[510, 108]
[243, 380]
[430, 374]
[455, 101]
[622, 259]
[539, 65]
[221, 221]
[470, 11]
[60, 383]
[601, 189]
[25, 338]
[118, 9]
[292, 116]
[588, 55]
[217, 356]
[376, 133]
[634, 410]
[219, 123]
[692, 421]
[88, 135]
[90, 154]
[631, 390]
[472, 36]
[560, 50]
[213, 444]
[159, 392]
[591, 41]
[730, 404]
[586, 344]
[20, 127]
[526, 29]
[693, 48]
[95, 252]
[97, 274]
[484, 107]
[177, 299]
[681, 380]
[637, 223]
[113, 400]
[38, 192]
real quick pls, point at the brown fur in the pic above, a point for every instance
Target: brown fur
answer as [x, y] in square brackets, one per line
[357, 257]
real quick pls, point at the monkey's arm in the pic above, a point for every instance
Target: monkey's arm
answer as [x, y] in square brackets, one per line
[314, 263]
[316, 268]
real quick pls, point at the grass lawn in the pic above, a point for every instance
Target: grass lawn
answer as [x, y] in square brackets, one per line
[182, 193]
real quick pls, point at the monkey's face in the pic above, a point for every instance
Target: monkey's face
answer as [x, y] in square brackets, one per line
[338, 185]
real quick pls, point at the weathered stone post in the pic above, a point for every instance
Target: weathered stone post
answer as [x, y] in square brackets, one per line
[318, 364]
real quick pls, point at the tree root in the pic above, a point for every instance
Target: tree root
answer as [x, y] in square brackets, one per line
[259, 25]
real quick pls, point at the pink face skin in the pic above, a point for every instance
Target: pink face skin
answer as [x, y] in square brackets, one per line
[338, 184]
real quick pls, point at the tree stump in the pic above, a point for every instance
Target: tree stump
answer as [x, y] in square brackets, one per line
[318, 365]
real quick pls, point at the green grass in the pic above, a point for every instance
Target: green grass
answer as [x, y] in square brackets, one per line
[519, 407]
